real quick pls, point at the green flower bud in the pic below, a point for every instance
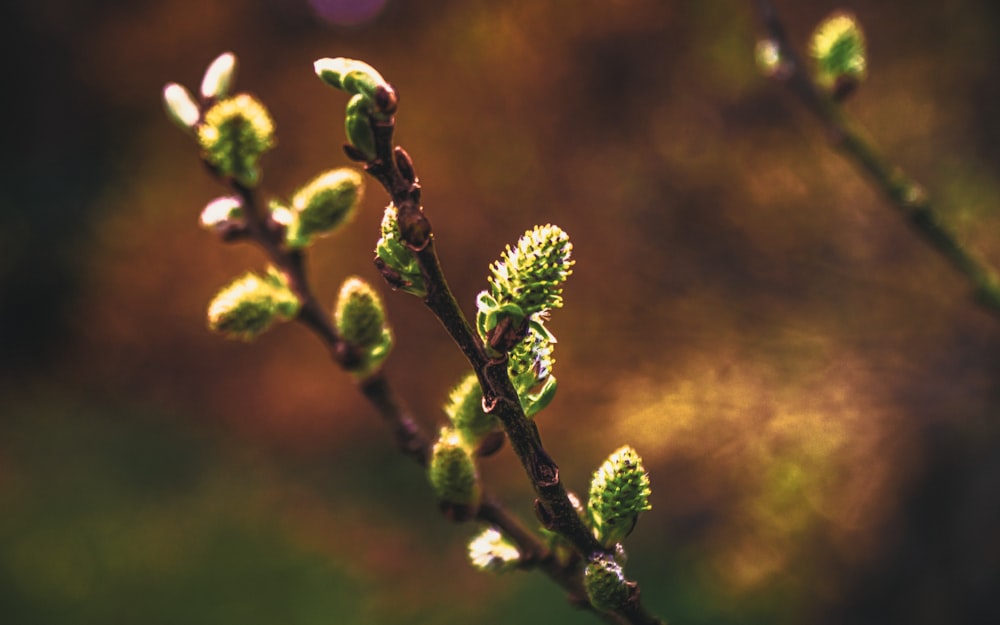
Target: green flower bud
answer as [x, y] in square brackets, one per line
[323, 205]
[838, 48]
[235, 132]
[360, 320]
[619, 491]
[491, 551]
[531, 275]
[605, 583]
[180, 106]
[360, 317]
[219, 77]
[250, 304]
[465, 411]
[530, 369]
[452, 471]
[396, 261]
[220, 210]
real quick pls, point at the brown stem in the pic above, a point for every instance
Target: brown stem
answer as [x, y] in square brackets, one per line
[393, 168]
[409, 438]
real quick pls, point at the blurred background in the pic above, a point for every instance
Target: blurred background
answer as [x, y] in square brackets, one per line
[813, 391]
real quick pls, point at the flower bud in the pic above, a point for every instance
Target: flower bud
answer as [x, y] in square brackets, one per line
[604, 581]
[452, 471]
[219, 77]
[235, 133]
[465, 411]
[530, 368]
[180, 106]
[250, 304]
[531, 274]
[491, 551]
[323, 205]
[360, 320]
[396, 261]
[838, 48]
[220, 210]
[619, 491]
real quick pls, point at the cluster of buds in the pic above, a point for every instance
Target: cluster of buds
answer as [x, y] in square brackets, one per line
[372, 100]
[233, 131]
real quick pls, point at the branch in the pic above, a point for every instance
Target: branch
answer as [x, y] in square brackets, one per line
[902, 192]
[409, 438]
[394, 170]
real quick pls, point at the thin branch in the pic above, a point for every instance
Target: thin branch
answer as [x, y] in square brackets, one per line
[393, 168]
[902, 192]
[409, 438]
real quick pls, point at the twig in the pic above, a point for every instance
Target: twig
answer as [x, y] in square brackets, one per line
[407, 434]
[902, 192]
[393, 168]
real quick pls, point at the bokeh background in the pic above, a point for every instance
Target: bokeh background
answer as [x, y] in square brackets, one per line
[814, 393]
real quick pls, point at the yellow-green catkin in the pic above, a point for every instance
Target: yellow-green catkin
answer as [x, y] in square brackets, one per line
[452, 471]
[234, 134]
[837, 47]
[619, 491]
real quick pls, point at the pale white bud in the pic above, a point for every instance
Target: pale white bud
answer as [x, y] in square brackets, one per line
[180, 105]
[219, 76]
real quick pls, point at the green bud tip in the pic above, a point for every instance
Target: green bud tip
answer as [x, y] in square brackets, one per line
[619, 491]
[838, 48]
[180, 106]
[491, 551]
[359, 316]
[465, 411]
[219, 76]
[324, 204]
[249, 305]
[530, 368]
[452, 471]
[604, 581]
[219, 210]
[531, 274]
[398, 264]
[235, 132]
[350, 75]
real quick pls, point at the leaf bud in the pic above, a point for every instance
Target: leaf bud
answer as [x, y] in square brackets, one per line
[358, 126]
[350, 75]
